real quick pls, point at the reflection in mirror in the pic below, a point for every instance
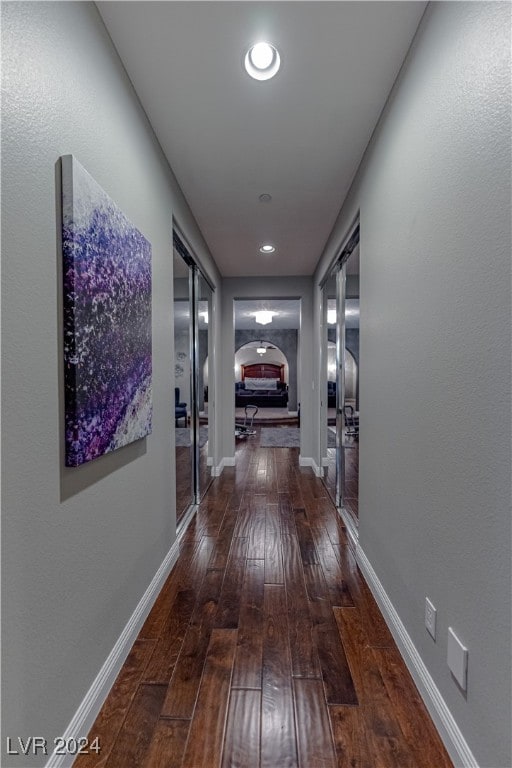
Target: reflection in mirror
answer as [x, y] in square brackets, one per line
[351, 404]
[204, 390]
[182, 386]
[329, 461]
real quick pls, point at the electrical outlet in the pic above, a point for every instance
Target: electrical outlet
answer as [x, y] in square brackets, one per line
[457, 659]
[430, 617]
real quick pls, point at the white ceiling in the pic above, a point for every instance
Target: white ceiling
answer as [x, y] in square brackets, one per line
[299, 137]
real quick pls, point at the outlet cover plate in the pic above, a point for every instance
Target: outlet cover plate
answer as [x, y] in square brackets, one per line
[457, 659]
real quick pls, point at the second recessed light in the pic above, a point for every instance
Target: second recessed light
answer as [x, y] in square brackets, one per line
[267, 248]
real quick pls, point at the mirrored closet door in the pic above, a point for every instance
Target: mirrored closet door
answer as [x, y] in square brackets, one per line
[340, 438]
[193, 379]
[183, 384]
[329, 452]
[204, 390]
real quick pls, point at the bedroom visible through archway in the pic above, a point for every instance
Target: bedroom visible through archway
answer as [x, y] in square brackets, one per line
[266, 372]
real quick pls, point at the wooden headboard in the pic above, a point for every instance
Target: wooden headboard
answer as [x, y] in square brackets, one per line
[263, 371]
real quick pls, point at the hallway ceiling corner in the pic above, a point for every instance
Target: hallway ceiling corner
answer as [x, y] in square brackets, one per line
[298, 137]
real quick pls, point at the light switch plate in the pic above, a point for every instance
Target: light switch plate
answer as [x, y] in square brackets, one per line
[457, 659]
[430, 617]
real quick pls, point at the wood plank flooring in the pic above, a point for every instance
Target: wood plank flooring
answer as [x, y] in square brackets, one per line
[265, 648]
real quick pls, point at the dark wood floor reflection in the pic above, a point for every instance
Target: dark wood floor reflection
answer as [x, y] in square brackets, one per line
[265, 648]
[351, 488]
[184, 475]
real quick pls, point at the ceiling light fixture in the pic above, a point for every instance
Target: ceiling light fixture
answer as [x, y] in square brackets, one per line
[265, 197]
[262, 61]
[267, 248]
[261, 350]
[264, 317]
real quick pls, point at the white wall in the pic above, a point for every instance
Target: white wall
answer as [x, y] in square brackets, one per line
[80, 546]
[435, 450]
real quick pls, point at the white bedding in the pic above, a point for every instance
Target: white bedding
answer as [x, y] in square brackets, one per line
[261, 383]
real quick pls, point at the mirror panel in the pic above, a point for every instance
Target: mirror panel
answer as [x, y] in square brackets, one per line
[351, 402]
[204, 390]
[340, 454]
[182, 283]
[329, 452]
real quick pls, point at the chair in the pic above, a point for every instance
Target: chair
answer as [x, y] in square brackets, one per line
[246, 429]
[351, 421]
[180, 409]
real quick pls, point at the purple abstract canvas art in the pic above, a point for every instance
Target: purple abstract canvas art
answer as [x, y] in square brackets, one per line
[107, 321]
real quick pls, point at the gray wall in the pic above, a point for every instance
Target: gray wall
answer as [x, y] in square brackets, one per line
[267, 288]
[286, 341]
[435, 452]
[80, 546]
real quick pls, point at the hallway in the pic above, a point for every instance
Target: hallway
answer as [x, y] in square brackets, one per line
[265, 647]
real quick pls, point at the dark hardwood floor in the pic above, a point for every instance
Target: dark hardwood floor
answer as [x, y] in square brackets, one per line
[265, 648]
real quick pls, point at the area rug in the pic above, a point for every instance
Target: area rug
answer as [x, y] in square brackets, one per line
[287, 437]
[183, 436]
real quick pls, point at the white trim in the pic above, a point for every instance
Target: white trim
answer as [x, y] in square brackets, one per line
[185, 521]
[293, 413]
[227, 461]
[307, 461]
[450, 733]
[84, 717]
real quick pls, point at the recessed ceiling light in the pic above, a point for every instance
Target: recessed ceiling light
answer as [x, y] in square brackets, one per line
[267, 248]
[265, 198]
[262, 61]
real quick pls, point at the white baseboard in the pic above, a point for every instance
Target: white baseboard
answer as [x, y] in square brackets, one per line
[450, 733]
[293, 413]
[87, 712]
[227, 461]
[348, 522]
[307, 461]
[185, 522]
